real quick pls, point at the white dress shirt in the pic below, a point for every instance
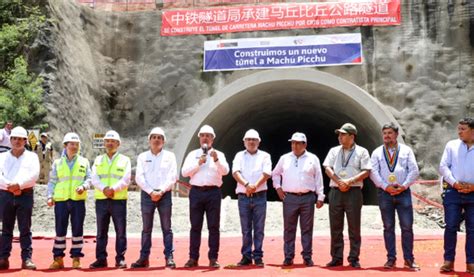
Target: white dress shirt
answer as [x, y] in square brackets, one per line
[207, 174]
[457, 162]
[358, 162]
[300, 174]
[252, 167]
[5, 138]
[406, 169]
[156, 172]
[122, 183]
[23, 170]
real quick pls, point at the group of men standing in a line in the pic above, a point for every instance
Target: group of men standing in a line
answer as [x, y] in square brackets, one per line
[297, 178]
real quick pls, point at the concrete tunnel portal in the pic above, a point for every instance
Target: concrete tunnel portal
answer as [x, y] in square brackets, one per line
[278, 103]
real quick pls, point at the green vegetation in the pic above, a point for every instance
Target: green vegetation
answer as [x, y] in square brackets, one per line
[20, 91]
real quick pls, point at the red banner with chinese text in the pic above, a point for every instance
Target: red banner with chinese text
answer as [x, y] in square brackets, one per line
[280, 16]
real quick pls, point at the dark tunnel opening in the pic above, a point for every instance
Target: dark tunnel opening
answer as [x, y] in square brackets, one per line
[279, 108]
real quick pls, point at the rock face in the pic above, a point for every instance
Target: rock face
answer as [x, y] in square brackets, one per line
[113, 70]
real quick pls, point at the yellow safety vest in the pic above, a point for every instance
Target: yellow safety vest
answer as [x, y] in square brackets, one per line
[69, 180]
[110, 174]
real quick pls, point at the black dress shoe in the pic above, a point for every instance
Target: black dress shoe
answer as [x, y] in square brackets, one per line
[214, 264]
[355, 264]
[308, 262]
[191, 263]
[244, 261]
[288, 262]
[259, 262]
[121, 264]
[170, 262]
[28, 264]
[411, 265]
[334, 263]
[98, 264]
[390, 263]
[140, 263]
[4, 264]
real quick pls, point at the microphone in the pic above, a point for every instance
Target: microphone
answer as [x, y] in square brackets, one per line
[205, 148]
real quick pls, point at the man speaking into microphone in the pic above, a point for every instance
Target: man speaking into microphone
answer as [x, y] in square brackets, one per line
[205, 167]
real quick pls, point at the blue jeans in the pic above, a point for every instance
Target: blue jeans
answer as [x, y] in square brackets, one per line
[454, 203]
[105, 209]
[148, 212]
[208, 202]
[21, 208]
[402, 204]
[302, 208]
[252, 211]
[63, 211]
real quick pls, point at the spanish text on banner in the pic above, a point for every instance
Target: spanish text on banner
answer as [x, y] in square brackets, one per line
[282, 52]
[280, 16]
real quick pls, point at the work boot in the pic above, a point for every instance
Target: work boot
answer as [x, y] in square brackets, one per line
[141, 263]
[448, 266]
[76, 263]
[28, 264]
[58, 263]
[4, 264]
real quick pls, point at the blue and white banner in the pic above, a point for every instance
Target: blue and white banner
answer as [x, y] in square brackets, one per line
[282, 52]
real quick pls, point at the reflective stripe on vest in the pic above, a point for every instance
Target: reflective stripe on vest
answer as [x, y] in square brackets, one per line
[110, 174]
[69, 180]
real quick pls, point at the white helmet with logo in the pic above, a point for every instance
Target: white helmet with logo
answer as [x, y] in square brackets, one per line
[157, 131]
[71, 137]
[206, 129]
[112, 135]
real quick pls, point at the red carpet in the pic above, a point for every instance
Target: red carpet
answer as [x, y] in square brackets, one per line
[428, 253]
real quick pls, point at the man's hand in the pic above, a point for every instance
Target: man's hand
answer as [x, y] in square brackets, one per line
[214, 155]
[319, 204]
[202, 160]
[155, 196]
[344, 185]
[80, 189]
[15, 189]
[281, 193]
[109, 192]
[251, 188]
[465, 188]
[50, 202]
[395, 189]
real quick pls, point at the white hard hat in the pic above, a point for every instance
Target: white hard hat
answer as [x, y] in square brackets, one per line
[44, 134]
[157, 131]
[251, 134]
[71, 137]
[298, 137]
[206, 129]
[19, 132]
[112, 135]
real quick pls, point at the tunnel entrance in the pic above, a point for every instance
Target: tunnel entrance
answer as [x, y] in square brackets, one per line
[278, 103]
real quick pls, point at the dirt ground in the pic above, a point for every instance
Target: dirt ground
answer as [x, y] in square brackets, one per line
[426, 222]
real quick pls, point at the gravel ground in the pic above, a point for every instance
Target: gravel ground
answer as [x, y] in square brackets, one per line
[43, 218]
